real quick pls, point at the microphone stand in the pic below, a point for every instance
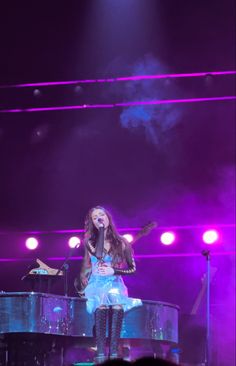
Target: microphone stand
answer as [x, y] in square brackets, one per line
[206, 254]
[65, 268]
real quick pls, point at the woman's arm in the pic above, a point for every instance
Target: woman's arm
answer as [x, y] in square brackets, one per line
[97, 251]
[81, 281]
[131, 266]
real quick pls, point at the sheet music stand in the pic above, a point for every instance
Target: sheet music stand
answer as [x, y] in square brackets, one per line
[41, 277]
[41, 282]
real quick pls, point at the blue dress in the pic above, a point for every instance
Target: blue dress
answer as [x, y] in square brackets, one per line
[107, 290]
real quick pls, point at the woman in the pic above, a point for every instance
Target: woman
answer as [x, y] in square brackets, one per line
[107, 257]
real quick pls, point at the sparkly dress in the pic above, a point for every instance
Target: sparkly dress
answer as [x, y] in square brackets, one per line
[107, 290]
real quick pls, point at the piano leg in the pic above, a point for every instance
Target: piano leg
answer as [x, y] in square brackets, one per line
[55, 357]
[3, 351]
[124, 349]
[33, 349]
[165, 351]
[155, 349]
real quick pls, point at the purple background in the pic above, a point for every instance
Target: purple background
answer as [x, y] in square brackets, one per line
[172, 163]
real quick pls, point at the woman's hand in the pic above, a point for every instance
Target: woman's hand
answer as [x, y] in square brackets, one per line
[84, 281]
[105, 270]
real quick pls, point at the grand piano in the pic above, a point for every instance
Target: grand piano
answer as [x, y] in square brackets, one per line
[46, 329]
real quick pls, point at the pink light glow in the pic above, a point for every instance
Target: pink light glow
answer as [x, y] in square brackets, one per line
[74, 241]
[127, 78]
[31, 243]
[128, 237]
[167, 238]
[126, 104]
[173, 101]
[210, 236]
[176, 227]
[144, 256]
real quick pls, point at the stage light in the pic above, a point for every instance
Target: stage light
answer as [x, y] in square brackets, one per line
[37, 93]
[210, 236]
[39, 133]
[74, 241]
[167, 238]
[78, 90]
[31, 243]
[209, 79]
[128, 237]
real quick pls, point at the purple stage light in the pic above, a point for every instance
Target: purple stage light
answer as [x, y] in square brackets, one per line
[128, 237]
[127, 78]
[175, 76]
[117, 105]
[37, 93]
[138, 256]
[173, 101]
[210, 236]
[74, 241]
[124, 229]
[31, 243]
[167, 238]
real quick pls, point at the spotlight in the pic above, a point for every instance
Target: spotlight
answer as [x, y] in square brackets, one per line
[210, 236]
[78, 90]
[167, 238]
[209, 79]
[31, 243]
[39, 133]
[37, 93]
[167, 82]
[74, 241]
[128, 237]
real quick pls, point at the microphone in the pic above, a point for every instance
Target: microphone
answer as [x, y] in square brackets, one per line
[100, 221]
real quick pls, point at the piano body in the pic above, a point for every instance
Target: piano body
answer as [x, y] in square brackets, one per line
[64, 321]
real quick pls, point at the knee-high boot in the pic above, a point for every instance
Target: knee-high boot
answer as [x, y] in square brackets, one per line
[115, 330]
[100, 334]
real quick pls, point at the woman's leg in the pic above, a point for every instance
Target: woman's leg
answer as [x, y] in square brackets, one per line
[117, 314]
[100, 332]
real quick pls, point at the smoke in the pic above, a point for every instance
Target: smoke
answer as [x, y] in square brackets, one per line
[226, 191]
[177, 204]
[154, 121]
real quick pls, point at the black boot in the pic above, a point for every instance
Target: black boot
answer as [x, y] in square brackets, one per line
[115, 329]
[100, 334]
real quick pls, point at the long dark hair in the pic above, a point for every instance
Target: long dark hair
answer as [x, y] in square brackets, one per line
[117, 242]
